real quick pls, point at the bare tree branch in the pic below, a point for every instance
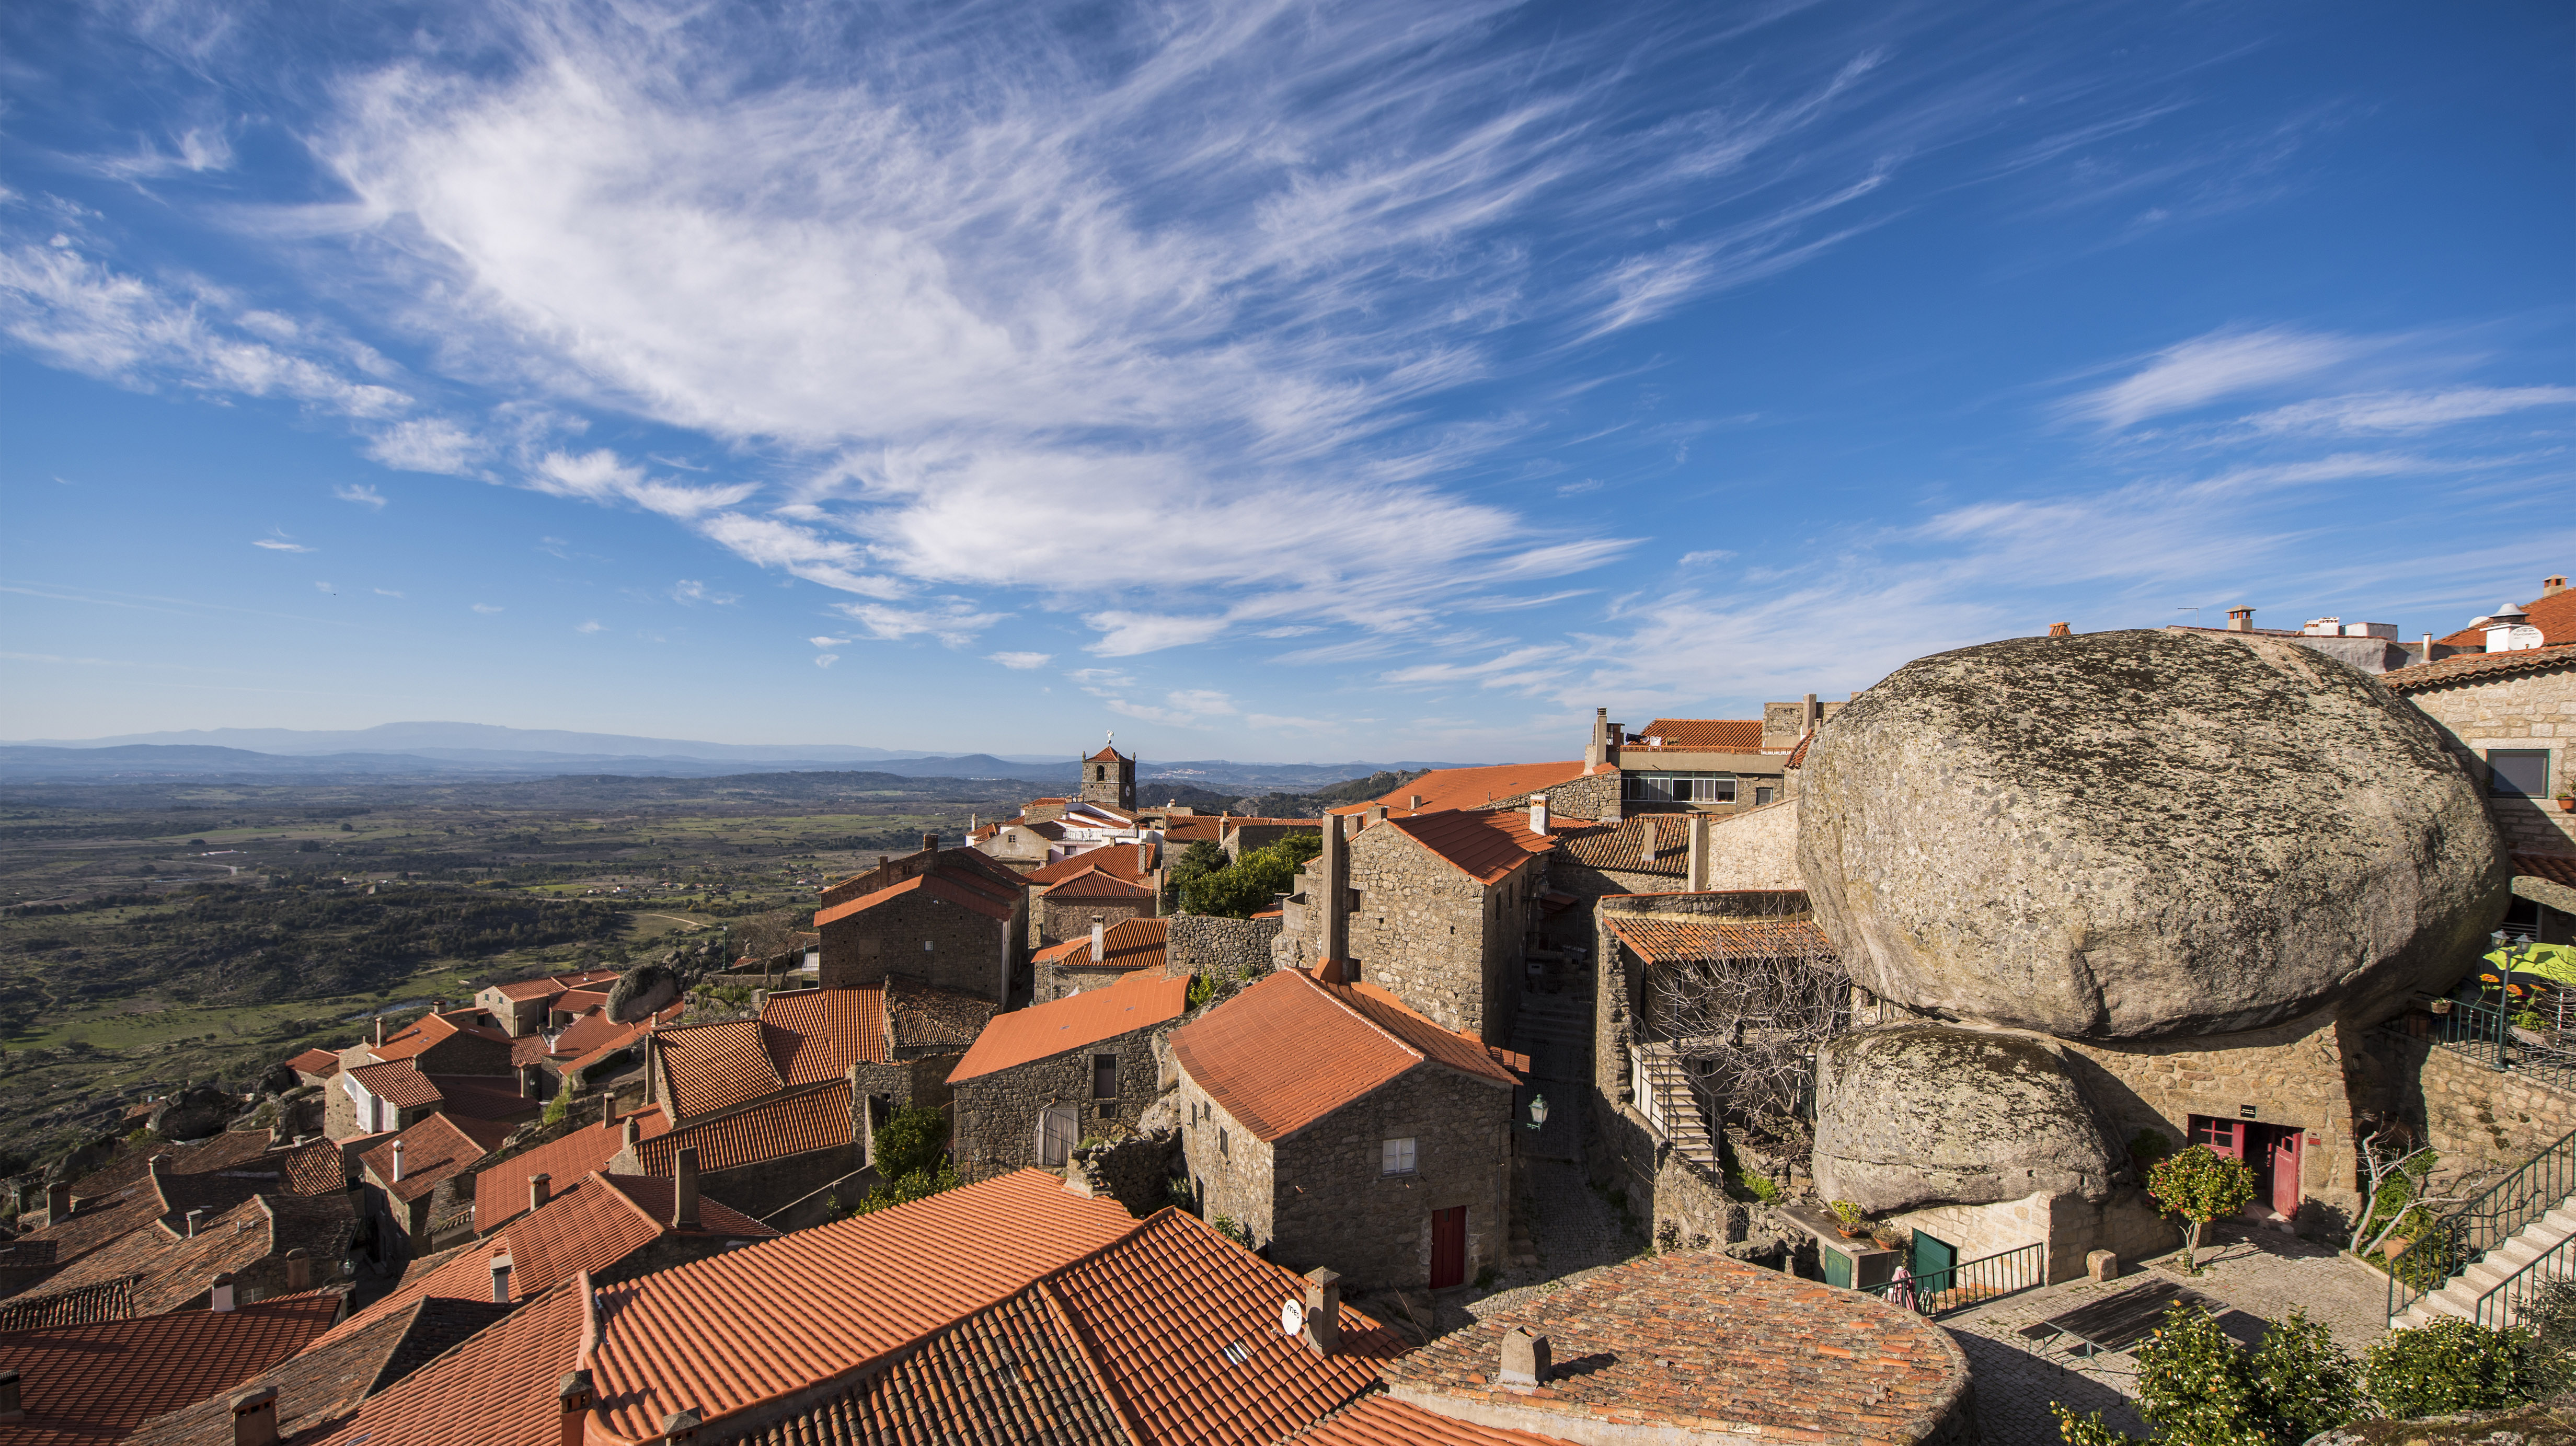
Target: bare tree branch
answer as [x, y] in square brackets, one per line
[1748, 1020]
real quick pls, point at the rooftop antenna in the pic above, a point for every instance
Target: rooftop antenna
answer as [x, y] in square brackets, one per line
[2195, 615]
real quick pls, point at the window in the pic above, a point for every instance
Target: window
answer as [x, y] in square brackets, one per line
[1395, 1157]
[1104, 1076]
[2518, 772]
[1761, 796]
[1677, 787]
[1058, 1125]
[1221, 1143]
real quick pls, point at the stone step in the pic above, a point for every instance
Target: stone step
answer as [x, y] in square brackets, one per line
[2459, 1296]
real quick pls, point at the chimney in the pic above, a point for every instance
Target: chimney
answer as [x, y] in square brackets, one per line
[58, 1203]
[2552, 586]
[929, 852]
[1323, 1311]
[220, 1297]
[254, 1416]
[10, 1410]
[1334, 878]
[2060, 630]
[608, 1109]
[500, 1280]
[1645, 841]
[1695, 868]
[634, 1135]
[1377, 813]
[541, 1188]
[2240, 620]
[680, 1428]
[573, 1394]
[1596, 752]
[196, 1218]
[299, 1270]
[1144, 856]
[1815, 711]
[684, 1189]
[1525, 1358]
[1099, 940]
[1414, 803]
[398, 1152]
[380, 1031]
[1538, 815]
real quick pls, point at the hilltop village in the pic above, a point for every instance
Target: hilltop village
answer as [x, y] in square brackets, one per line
[1727, 1080]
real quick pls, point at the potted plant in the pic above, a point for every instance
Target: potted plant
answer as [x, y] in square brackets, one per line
[1891, 1237]
[1851, 1219]
[2566, 801]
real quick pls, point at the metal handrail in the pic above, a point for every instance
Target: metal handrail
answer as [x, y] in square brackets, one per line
[2509, 1301]
[2455, 1241]
[1970, 1282]
[2486, 1033]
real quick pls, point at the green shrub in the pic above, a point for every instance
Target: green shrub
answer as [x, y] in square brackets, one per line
[559, 1106]
[2447, 1364]
[2146, 1147]
[2200, 1388]
[2550, 1359]
[904, 1189]
[914, 1142]
[1759, 1187]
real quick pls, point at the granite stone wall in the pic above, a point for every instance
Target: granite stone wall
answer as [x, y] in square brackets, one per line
[1444, 943]
[1333, 1205]
[996, 1119]
[1210, 947]
[1063, 920]
[1229, 1167]
[938, 942]
[1595, 796]
[2482, 1119]
[2524, 710]
[1136, 1172]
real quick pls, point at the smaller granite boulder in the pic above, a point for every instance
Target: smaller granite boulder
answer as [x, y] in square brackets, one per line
[1933, 1114]
[193, 1113]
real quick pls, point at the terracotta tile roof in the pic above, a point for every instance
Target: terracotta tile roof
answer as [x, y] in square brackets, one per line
[1289, 1051]
[328, 1380]
[759, 1323]
[924, 1016]
[397, 1083]
[946, 885]
[2556, 868]
[499, 1388]
[811, 1118]
[1127, 944]
[1108, 754]
[96, 1222]
[650, 1196]
[2479, 667]
[1675, 938]
[1092, 883]
[817, 1034]
[433, 1150]
[315, 1062]
[1707, 735]
[1386, 1421]
[1622, 845]
[104, 1300]
[967, 864]
[501, 1190]
[1139, 1001]
[1117, 860]
[587, 1040]
[711, 1067]
[163, 1269]
[582, 1001]
[435, 1029]
[519, 991]
[1444, 788]
[1485, 846]
[87, 1383]
[485, 1097]
[1798, 755]
[2554, 616]
[1462, 1052]
[1692, 1343]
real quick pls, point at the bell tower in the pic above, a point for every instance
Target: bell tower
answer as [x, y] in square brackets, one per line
[1109, 778]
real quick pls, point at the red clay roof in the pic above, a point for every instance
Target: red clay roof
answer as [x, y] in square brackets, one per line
[1127, 944]
[776, 1318]
[812, 1118]
[925, 1016]
[435, 1029]
[2480, 667]
[1683, 937]
[1108, 754]
[1485, 846]
[95, 1382]
[1289, 1050]
[1622, 845]
[434, 1149]
[398, 1083]
[943, 885]
[2554, 616]
[1798, 755]
[1707, 735]
[1139, 1001]
[1386, 1421]
[1093, 883]
[1489, 787]
[501, 1192]
[553, 984]
[167, 1268]
[500, 1388]
[315, 1061]
[328, 1380]
[484, 1097]
[1117, 860]
[711, 1067]
[2556, 868]
[817, 1034]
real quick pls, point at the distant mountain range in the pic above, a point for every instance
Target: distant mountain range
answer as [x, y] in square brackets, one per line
[453, 750]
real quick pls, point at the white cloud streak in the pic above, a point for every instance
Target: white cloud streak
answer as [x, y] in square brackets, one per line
[2207, 368]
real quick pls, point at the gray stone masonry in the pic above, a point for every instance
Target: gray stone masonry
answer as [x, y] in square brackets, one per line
[1060, 920]
[1595, 796]
[1209, 946]
[2480, 1119]
[997, 1114]
[1136, 1172]
[1229, 1167]
[1442, 942]
[2520, 711]
[929, 938]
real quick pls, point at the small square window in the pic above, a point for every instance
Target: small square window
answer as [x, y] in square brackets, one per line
[1395, 1157]
[2518, 772]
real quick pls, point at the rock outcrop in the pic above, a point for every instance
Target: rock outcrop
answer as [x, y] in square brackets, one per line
[1931, 1114]
[2141, 834]
[193, 1113]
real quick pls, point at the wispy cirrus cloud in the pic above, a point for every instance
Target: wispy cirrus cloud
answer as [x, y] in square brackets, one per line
[2407, 412]
[362, 494]
[2206, 368]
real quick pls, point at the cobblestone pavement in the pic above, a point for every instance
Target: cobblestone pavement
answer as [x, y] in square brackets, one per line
[2258, 1274]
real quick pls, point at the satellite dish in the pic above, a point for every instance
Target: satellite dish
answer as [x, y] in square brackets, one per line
[1292, 1318]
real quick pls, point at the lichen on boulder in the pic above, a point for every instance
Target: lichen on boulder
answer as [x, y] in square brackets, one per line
[1934, 1114]
[2143, 834]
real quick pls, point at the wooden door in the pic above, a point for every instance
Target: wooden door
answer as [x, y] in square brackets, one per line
[1057, 1125]
[1448, 1248]
[1838, 1266]
[1933, 1262]
[2285, 1170]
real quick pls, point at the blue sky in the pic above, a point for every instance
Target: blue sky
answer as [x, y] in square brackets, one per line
[1264, 381]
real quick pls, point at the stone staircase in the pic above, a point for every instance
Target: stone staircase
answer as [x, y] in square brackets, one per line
[2543, 1237]
[1674, 1104]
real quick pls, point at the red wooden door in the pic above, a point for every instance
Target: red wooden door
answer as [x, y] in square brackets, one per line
[2285, 1171]
[1448, 1248]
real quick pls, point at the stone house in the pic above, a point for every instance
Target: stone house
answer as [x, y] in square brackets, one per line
[525, 1006]
[501, 1192]
[1038, 1080]
[1338, 1128]
[420, 1184]
[464, 1046]
[1108, 954]
[582, 1050]
[894, 1043]
[956, 928]
[1573, 789]
[375, 1099]
[892, 869]
[2512, 718]
[763, 1158]
[1068, 907]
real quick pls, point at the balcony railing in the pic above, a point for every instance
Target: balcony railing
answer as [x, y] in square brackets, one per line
[1970, 1282]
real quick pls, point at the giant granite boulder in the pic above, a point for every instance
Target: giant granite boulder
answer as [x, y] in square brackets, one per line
[1930, 1114]
[2135, 834]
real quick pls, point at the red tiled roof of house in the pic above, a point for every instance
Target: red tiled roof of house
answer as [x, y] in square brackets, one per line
[2480, 667]
[500, 1388]
[1689, 1343]
[587, 1039]
[1676, 938]
[1093, 883]
[1474, 788]
[167, 1268]
[315, 1061]
[491, 1098]
[78, 1305]
[1117, 860]
[1108, 754]
[2555, 616]
[398, 1083]
[314, 1167]
[1385, 1421]
[1424, 1036]
[814, 1117]
[1706, 735]
[925, 1016]
[434, 1149]
[435, 1029]
[327, 1380]
[1128, 944]
[96, 1382]
[2556, 868]
[1290, 1050]
[1139, 1001]
[1798, 755]
[501, 1192]
[522, 990]
[654, 1197]
[765, 1322]
[963, 864]
[1485, 846]
[96, 1222]
[582, 1001]
[944, 885]
[711, 1067]
[817, 1034]
[1621, 846]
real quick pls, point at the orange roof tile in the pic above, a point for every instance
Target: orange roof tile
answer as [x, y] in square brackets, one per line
[653, 1198]
[1116, 860]
[433, 1150]
[1707, 735]
[1290, 1050]
[1488, 787]
[582, 1001]
[434, 1029]
[1683, 937]
[2554, 616]
[1127, 944]
[1093, 883]
[817, 1034]
[397, 1083]
[327, 1381]
[1139, 1001]
[2479, 667]
[315, 1061]
[711, 1067]
[1622, 845]
[1386, 1421]
[1424, 1036]
[525, 989]
[497, 1389]
[490, 1098]
[947, 886]
[94, 1382]
[1798, 755]
[501, 1192]
[1108, 754]
[1485, 846]
[762, 1323]
[811, 1118]
[167, 1268]
[924, 1016]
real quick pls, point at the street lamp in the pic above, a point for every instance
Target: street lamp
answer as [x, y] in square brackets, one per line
[1538, 1111]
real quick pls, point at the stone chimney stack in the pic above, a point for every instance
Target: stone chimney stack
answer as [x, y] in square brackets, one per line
[608, 1109]
[220, 1297]
[1645, 841]
[2552, 586]
[1695, 870]
[1525, 1358]
[2240, 620]
[1333, 875]
[398, 1154]
[1323, 1311]
[380, 1031]
[1597, 751]
[1144, 856]
[930, 853]
[1414, 803]
[196, 1219]
[254, 1416]
[633, 1136]
[299, 1270]
[684, 1189]
[1538, 815]
[501, 1279]
[58, 1203]
[541, 1188]
[1099, 940]
[573, 1394]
